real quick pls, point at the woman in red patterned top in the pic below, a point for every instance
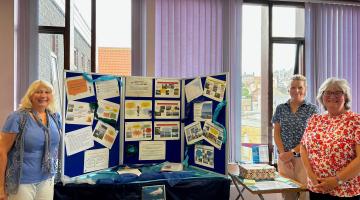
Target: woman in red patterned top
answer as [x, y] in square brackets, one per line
[330, 147]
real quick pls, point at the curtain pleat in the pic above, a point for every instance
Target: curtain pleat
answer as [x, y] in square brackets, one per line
[332, 46]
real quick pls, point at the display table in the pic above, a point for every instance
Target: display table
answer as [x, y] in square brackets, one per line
[192, 183]
[278, 185]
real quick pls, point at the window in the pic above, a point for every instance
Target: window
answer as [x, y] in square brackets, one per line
[274, 55]
[113, 42]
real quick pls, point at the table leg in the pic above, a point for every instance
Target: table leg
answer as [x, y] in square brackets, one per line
[298, 195]
[237, 188]
[261, 196]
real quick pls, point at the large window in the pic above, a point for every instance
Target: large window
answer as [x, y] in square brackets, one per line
[272, 49]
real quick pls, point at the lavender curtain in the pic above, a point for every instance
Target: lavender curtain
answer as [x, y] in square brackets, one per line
[199, 38]
[332, 36]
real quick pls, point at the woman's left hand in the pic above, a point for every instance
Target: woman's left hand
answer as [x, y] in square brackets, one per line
[326, 184]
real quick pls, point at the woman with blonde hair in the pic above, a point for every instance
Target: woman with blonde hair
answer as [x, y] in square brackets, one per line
[30, 146]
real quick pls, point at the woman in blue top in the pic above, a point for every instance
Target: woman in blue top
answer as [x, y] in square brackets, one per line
[289, 121]
[29, 146]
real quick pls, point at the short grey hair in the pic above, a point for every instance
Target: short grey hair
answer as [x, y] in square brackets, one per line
[342, 84]
[297, 77]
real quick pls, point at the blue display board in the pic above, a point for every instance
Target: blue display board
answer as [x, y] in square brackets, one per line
[206, 154]
[150, 113]
[74, 164]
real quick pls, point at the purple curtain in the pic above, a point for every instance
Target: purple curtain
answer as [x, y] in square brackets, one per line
[332, 36]
[198, 38]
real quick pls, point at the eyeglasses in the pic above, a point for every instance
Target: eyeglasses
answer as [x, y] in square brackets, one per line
[335, 94]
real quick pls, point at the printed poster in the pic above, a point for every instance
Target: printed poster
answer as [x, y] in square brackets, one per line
[203, 111]
[78, 140]
[96, 159]
[79, 113]
[136, 131]
[104, 134]
[193, 132]
[167, 130]
[138, 87]
[214, 89]
[152, 150]
[193, 89]
[78, 88]
[167, 109]
[204, 155]
[108, 110]
[138, 109]
[213, 134]
[167, 88]
[107, 89]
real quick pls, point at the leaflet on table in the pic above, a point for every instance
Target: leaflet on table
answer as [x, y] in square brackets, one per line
[138, 87]
[203, 111]
[78, 88]
[138, 109]
[152, 150]
[169, 88]
[167, 130]
[193, 89]
[78, 140]
[167, 109]
[96, 159]
[193, 132]
[104, 134]
[135, 131]
[214, 88]
[79, 113]
[213, 134]
[108, 110]
[204, 155]
[107, 89]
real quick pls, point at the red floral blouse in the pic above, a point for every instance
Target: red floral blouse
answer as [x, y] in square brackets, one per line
[330, 144]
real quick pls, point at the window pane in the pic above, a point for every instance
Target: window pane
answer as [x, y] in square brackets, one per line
[52, 13]
[251, 79]
[51, 62]
[82, 35]
[288, 22]
[113, 42]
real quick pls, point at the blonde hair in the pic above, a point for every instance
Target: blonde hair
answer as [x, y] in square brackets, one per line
[26, 101]
[297, 77]
[342, 84]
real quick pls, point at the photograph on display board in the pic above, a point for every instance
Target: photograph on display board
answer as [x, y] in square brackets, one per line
[136, 131]
[214, 89]
[107, 89]
[167, 130]
[193, 89]
[213, 134]
[193, 132]
[139, 87]
[203, 111]
[79, 113]
[108, 110]
[78, 140]
[152, 150]
[204, 155]
[78, 88]
[169, 88]
[104, 134]
[138, 109]
[167, 109]
[96, 159]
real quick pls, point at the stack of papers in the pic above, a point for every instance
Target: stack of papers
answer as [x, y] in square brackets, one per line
[129, 171]
[172, 167]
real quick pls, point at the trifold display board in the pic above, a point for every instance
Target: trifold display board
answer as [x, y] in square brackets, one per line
[111, 120]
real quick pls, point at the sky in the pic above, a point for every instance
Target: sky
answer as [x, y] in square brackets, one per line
[113, 21]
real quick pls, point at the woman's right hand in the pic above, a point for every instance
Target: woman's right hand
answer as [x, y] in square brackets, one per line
[3, 195]
[313, 178]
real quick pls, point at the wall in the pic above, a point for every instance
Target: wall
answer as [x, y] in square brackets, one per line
[6, 58]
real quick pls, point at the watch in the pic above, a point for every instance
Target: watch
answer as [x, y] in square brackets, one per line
[294, 152]
[339, 181]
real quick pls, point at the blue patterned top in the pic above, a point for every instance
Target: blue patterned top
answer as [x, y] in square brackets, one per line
[292, 125]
